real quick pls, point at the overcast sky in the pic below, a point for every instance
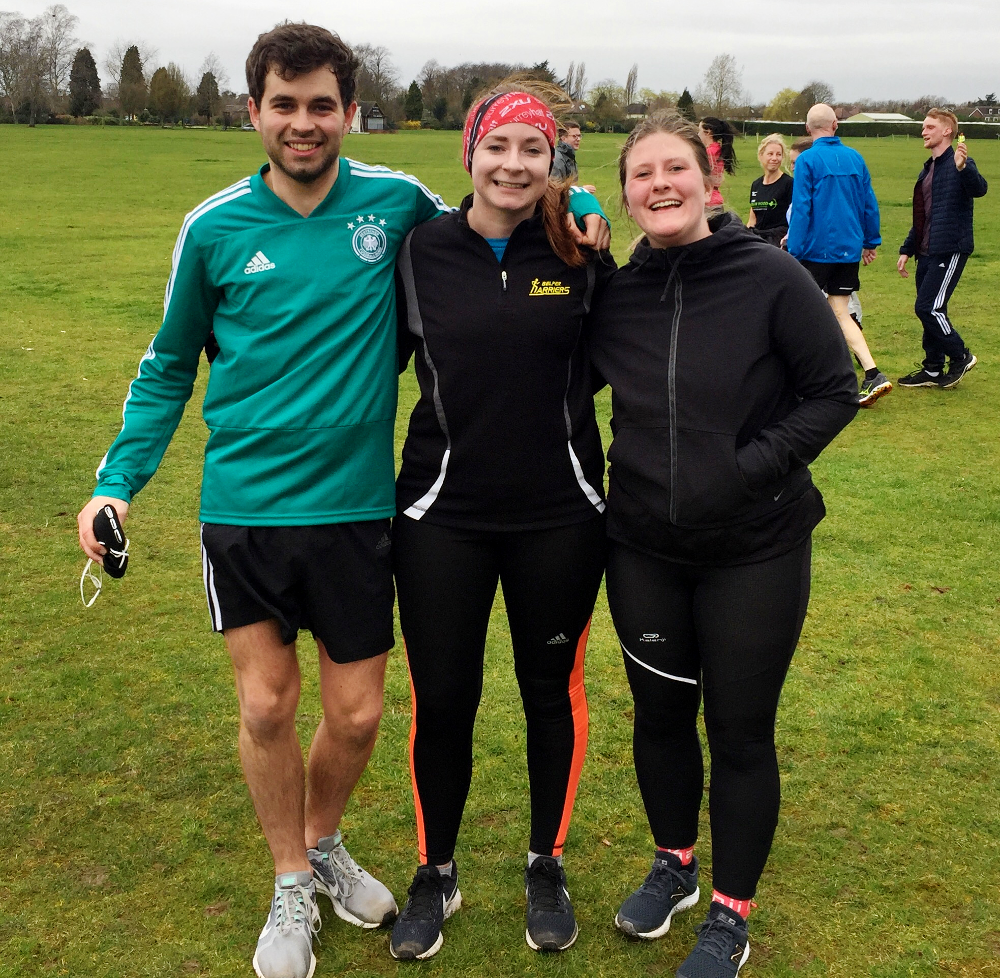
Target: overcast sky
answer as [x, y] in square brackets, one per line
[877, 49]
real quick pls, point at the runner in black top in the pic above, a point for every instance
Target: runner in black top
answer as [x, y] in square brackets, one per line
[771, 194]
[501, 481]
[710, 513]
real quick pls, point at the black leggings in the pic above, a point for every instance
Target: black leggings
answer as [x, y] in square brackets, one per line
[446, 580]
[730, 632]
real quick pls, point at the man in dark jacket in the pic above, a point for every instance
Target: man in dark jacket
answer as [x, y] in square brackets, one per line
[941, 238]
[564, 164]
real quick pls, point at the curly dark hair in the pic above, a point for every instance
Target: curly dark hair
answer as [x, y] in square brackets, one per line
[291, 50]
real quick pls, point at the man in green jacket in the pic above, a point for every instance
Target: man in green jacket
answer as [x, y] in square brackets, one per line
[291, 271]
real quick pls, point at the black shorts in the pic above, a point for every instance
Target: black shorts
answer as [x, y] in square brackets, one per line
[334, 579]
[835, 278]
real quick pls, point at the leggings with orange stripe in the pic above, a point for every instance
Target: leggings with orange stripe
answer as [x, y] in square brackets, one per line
[446, 580]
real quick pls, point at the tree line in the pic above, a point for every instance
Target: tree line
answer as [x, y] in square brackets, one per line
[45, 72]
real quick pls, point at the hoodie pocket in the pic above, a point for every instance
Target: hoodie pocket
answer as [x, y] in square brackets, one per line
[707, 485]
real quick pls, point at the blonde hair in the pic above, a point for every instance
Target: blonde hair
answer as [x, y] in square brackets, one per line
[774, 138]
[949, 118]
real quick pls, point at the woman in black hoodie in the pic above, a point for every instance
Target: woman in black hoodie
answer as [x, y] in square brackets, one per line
[729, 374]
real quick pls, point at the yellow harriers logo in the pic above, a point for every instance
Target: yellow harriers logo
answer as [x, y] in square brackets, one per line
[548, 288]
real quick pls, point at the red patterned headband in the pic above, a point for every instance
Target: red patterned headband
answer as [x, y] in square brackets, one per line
[501, 110]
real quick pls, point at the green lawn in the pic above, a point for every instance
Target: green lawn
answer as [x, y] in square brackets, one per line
[129, 843]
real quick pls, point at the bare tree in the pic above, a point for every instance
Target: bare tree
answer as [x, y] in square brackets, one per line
[212, 65]
[580, 82]
[23, 64]
[59, 40]
[722, 87]
[631, 83]
[378, 79]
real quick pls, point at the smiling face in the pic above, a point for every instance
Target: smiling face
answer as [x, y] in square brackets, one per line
[510, 171]
[770, 158]
[665, 190]
[936, 133]
[572, 137]
[302, 123]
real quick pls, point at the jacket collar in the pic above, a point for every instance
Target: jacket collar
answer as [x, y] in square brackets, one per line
[725, 229]
[463, 216]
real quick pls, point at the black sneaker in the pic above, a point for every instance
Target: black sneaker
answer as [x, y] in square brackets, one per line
[957, 369]
[668, 889]
[921, 378]
[551, 925]
[722, 947]
[432, 899]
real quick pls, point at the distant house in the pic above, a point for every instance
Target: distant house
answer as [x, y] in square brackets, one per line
[636, 110]
[236, 111]
[988, 113]
[368, 118]
[879, 117]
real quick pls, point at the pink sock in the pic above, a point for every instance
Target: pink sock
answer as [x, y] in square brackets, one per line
[684, 855]
[742, 907]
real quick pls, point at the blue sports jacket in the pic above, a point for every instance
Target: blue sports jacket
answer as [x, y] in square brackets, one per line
[834, 210]
[952, 194]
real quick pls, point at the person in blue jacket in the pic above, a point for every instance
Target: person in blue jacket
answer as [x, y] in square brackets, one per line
[941, 239]
[833, 228]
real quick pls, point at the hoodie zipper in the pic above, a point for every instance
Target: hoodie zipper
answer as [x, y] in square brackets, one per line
[503, 278]
[672, 383]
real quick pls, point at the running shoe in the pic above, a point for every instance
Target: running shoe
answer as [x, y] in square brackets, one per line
[669, 888]
[284, 948]
[722, 947]
[433, 898]
[356, 895]
[921, 378]
[551, 925]
[958, 368]
[872, 390]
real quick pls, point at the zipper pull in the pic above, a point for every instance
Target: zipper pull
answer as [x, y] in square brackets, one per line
[503, 276]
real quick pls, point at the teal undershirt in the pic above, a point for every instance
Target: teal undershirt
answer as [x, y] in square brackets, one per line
[499, 246]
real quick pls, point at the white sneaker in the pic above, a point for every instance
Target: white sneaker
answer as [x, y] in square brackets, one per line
[284, 948]
[356, 895]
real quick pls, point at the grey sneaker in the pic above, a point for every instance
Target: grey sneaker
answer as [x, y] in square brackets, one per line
[284, 948]
[872, 390]
[356, 895]
[667, 889]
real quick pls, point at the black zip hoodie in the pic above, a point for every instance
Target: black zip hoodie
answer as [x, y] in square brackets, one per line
[504, 435]
[729, 374]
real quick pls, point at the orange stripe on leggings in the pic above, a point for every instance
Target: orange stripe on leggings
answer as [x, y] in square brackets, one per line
[581, 727]
[418, 810]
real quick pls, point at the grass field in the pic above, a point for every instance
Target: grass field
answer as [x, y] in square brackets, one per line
[129, 845]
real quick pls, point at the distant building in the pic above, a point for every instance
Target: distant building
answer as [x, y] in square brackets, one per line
[988, 113]
[879, 117]
[636, 110]
[235, 111]
[368, 118]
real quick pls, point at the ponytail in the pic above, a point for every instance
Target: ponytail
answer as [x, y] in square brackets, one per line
[555, 207]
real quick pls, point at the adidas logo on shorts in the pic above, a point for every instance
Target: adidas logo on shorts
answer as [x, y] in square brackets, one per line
[384, 542]
[560, 639]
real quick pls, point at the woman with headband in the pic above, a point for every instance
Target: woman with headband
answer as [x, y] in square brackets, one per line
[501, 482]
